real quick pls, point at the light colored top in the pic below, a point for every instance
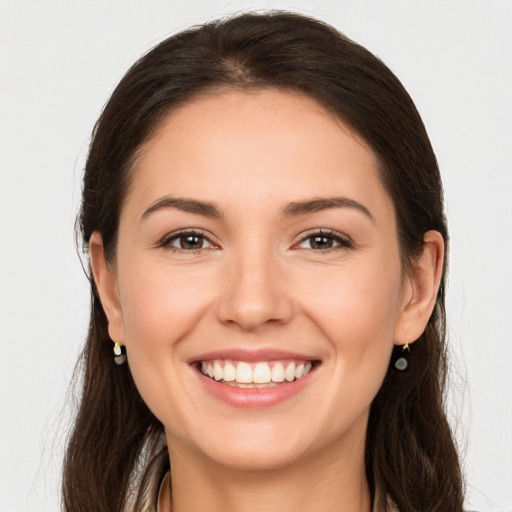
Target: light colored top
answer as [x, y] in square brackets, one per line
[164, 496]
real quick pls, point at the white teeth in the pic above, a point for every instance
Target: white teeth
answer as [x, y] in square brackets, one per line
[247, 386]
[278, 373]
[229, 372]
[244, 373]
[262, 374]
[289, 373]
[217, 371]
[243, 385]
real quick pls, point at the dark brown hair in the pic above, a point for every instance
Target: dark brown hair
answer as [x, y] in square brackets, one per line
[115, 456]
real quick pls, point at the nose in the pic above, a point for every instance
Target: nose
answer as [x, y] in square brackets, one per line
[254, 293]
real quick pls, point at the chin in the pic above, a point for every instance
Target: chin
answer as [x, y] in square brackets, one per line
[247, 446]
[255, 457]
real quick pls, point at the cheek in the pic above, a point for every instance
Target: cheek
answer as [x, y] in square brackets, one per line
[357, 306]
[160, 306]
[357, 312]
[358, 320]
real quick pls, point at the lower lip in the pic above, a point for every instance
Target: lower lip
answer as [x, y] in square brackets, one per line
[254, 397]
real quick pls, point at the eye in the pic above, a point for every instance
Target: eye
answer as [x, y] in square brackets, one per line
[187, 241]
[324, 240]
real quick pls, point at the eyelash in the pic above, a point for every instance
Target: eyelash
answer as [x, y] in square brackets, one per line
[344, 242]
[167, 240]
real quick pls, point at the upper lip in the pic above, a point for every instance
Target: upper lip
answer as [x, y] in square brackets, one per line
[240, 354]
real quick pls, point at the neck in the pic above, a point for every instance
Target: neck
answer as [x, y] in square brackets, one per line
[327, 482]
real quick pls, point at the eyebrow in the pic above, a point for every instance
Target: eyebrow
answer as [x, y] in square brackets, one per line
[205, 208]
[294, 209]
[299, 208]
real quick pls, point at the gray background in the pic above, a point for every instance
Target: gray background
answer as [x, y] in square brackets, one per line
[58, 63]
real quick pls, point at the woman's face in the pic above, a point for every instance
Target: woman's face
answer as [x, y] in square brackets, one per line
[257, 242]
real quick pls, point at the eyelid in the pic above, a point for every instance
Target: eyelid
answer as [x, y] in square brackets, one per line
[164, 242]
[344, 241]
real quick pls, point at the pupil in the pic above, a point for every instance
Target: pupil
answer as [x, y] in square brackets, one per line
[321, 242]
[191, 242]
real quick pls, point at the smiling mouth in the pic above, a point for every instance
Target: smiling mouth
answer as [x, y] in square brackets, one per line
[263, 374]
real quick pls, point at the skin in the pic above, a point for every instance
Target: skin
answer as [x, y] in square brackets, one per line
[259, 282]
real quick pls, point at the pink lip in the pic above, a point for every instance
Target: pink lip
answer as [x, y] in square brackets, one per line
[250, 355]
[254, 397]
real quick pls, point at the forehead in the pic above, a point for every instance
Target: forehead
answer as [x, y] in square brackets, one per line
[254, 146]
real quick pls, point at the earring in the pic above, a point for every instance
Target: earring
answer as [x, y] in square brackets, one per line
[119, 354]
[401, 364]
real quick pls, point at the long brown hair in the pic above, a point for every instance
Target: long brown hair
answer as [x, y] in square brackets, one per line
[115, 458]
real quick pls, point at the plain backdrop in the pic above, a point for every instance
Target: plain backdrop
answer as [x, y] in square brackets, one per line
[59, 61]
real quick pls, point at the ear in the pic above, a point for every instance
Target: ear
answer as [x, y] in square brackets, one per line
[421, 285]
[106, 283]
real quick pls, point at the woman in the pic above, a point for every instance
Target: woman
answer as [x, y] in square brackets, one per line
[263, 214]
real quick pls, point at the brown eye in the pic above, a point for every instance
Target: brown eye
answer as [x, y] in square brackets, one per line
[321, 242]
[190, 242]
[187, 241]
[324, 241]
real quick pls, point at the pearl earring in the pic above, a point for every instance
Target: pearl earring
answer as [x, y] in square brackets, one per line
[401, 364]
[119, 354]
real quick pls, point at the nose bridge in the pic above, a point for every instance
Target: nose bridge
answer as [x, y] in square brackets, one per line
[254, 292]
